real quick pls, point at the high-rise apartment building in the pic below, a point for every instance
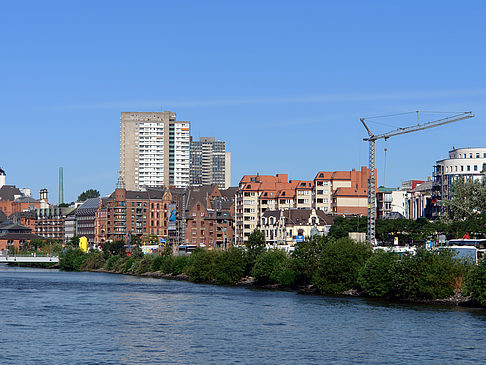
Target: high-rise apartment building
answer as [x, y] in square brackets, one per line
[210, 163]
[154, 150]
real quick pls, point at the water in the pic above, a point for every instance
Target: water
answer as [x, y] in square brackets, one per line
[53, 317]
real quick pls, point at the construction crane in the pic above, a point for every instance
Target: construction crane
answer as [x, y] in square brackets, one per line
[370, 237]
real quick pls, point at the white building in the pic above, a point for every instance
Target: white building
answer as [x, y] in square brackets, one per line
[286, 227]
[462, 162]
[154, 150]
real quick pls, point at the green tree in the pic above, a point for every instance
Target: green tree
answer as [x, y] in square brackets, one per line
[229, 266]
[468, 198]
[339, 264]
[273, 267]
[201, 268]
[113, 248]
[254, 247]
[72, 259]
[90, 193]
[74, 241]
[476, 283]
[429, 275]
[305, 258]
[376, 277]
[343, 225]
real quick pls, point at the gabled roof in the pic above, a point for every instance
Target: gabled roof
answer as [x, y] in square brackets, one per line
[90, 203]
[26, 199]
[9, 192]
[136, 195]
[299, 216]
[10, 226]
[271, 213]
[426, 186]
[230, 192]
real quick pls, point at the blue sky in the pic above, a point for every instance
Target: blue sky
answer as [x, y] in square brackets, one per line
[283, 83]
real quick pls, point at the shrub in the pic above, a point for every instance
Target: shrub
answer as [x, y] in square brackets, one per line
[305, 258]
[272, 267]
[144, 265]
[428, 275]
[229, 266]
[71, 260]
[130, 265]
[163, 263]
[180, 264]
[113, 248]
[201, 268]
[119, 265]
[93, 261]
[376, 277]
[339, 264]
[475, 283]
[111, 262]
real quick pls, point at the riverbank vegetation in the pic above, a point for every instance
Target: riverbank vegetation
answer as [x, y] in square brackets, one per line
[323, 265]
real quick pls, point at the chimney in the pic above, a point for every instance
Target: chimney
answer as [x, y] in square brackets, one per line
[61, 187]
[3, 178]
[43, 195]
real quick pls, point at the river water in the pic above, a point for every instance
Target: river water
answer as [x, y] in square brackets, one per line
[54, 317]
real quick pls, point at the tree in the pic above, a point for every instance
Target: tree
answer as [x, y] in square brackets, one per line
[339, 264]
[113, 248]
[255, 245]
[90, 193]
[74, 241]
[468, 198]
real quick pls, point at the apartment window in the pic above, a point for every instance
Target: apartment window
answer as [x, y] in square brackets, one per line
[468, 168]
[475, 167]
[462, 168]
[319, 201]
[300, 201]
[319, 192]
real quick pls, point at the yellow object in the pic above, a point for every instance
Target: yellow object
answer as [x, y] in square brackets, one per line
[83, 244]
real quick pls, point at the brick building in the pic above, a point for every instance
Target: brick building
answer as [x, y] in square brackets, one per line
[209, 217]
[50, 222]
[335, 192]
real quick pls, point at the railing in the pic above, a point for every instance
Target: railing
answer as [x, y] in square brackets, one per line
[31, 259]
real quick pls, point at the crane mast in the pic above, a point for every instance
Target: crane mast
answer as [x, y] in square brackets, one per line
[371, 232]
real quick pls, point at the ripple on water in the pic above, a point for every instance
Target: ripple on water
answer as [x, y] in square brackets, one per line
[88, 318]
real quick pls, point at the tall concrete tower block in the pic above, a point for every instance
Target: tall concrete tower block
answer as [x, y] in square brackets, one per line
[154, 149]
[61, 187]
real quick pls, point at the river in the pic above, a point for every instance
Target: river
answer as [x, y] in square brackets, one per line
[54, 317]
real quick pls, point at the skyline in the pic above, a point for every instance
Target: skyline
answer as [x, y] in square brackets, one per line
[292, 80]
